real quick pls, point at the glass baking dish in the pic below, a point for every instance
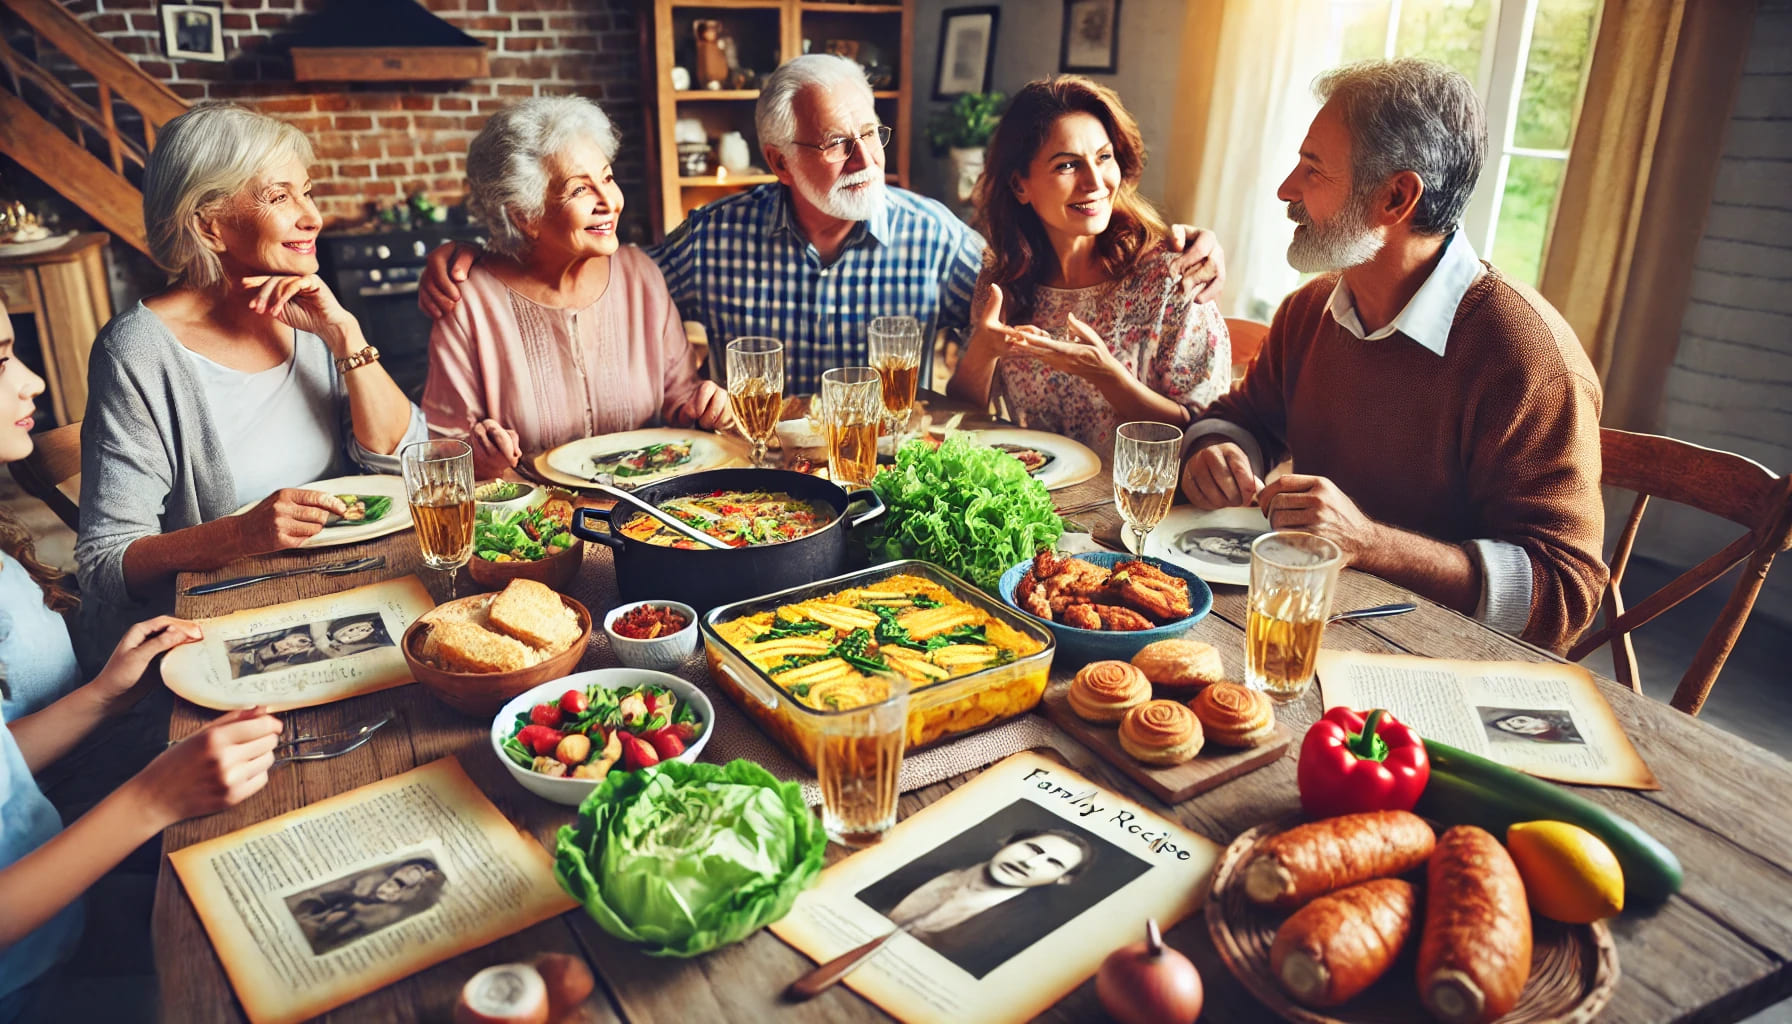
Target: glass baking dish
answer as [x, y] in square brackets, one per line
[949, 707]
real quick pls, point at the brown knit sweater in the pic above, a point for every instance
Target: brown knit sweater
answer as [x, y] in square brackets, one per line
[1498, 439]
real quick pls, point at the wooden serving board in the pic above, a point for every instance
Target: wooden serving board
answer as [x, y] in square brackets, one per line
[1213, 765]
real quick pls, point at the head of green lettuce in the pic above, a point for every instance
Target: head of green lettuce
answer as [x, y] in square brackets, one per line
[686, 857]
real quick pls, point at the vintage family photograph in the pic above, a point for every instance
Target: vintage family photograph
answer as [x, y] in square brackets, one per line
[339, 911]
[983, 896]
[1219, 545]
[305, 644]
[1529, 725]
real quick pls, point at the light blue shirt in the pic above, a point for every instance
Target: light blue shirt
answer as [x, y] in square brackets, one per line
[28, 821]
[39, 660]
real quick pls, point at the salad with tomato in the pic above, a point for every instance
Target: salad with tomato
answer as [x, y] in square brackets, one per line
[589, 732]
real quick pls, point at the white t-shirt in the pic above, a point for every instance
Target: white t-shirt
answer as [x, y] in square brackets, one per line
[275, 433]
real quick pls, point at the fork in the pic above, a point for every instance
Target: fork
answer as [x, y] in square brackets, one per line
[329, 569]
[360, 728]
[336, 748]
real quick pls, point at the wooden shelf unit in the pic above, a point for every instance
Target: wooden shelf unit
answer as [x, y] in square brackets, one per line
[765, 32]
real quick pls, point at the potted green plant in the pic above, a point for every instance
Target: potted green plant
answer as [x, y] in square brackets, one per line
[963, 130]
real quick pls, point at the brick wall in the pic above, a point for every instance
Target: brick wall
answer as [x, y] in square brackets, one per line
[378, 143]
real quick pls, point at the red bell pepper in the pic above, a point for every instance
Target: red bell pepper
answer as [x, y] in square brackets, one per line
[1350, 764]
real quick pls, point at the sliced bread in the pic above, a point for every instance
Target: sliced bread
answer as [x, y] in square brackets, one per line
[534, 614]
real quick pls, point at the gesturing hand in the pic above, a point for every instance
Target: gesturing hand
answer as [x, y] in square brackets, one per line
[1316, 505]
[219, 766]
[1200, 263]
[136, 649]
[1085, 355]
[496, 448]
[1219, 476]
[285, 518]
[300, 301]
[447, 265]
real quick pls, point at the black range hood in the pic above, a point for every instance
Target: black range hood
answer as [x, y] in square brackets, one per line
[382, 41]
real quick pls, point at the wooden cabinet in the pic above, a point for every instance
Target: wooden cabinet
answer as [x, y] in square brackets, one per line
[64, 291]
[762, 34]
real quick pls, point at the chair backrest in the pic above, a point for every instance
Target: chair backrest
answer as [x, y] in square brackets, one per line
[52, 472]
[1724, 484]
[1247, 340]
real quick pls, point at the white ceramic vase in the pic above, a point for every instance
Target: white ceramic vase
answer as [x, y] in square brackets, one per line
[967, 166]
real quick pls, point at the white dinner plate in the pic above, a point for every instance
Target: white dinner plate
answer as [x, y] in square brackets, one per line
[1214, 545]
[1067, 462]
[396, 519]
[571, 463]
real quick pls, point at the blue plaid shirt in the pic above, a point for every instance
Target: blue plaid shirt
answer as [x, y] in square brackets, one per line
[740, 266]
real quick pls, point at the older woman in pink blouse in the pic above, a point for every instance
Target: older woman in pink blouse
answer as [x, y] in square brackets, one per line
[564, 333]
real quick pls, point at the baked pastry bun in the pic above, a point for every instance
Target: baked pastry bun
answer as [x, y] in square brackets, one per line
[1105, 690]
[1234, 715]
[1161, 732]
[1180, 664]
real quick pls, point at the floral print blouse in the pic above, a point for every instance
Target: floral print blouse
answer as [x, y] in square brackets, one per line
[1178, 348]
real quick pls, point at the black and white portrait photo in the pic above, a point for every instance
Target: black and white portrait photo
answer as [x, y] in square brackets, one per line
[1217, 544]
[193, 31]
[967, 50]
[1529, 725]
[339, 911]
[983, 896]
[279, 649]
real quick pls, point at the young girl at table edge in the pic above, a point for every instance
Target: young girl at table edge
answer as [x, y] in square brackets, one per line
[45, 868]
[1079, 320]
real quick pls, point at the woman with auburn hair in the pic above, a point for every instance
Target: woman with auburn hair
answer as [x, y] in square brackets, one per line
[1079, 261]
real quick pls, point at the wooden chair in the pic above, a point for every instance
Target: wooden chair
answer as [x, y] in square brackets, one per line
[52, 472]
[1247, 340]
[1722, 484]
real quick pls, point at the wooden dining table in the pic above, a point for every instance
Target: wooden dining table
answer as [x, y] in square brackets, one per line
[1718, 951]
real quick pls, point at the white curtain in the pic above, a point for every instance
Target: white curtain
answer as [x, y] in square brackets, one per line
[1264, 61]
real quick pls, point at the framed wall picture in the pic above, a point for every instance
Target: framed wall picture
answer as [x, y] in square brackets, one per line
[967, 50]
[1091, 37]
[193, 31]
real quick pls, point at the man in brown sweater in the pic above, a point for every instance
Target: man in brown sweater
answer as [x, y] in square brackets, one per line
[1442, 419]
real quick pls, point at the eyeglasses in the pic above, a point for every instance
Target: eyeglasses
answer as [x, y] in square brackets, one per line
[839, 148]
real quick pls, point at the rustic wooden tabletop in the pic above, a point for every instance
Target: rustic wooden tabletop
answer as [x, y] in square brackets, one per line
[1719, 951]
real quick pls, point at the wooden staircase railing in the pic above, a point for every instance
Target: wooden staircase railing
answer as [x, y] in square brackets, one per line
[106, 193]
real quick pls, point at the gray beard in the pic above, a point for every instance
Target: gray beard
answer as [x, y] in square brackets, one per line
[1345, 241]
[862, 205]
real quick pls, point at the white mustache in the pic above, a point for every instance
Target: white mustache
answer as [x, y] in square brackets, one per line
[864, 177]
[1297, 212]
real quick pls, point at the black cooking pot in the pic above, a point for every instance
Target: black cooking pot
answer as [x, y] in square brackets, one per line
[705, 577]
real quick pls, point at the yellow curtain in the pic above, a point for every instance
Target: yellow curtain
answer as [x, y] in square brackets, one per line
[1637, 187]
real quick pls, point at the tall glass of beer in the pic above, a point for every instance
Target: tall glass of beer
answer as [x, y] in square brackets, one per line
[1293, 578]
[1145, 475]
[756, 389]
[851, 406]
[438, 481]
[858, 763]
[895, 347]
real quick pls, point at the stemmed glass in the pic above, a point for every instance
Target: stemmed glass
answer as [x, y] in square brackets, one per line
[756, 389]
[895, 349]
[1145, 475]
[438, 482]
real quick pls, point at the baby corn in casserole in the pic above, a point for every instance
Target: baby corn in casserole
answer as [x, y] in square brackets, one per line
[841, 650]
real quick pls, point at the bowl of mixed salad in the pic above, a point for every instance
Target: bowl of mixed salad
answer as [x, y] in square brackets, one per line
[508, 495]
[561, 739]
[532, 543]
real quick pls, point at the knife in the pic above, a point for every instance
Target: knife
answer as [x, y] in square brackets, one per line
[330, 569]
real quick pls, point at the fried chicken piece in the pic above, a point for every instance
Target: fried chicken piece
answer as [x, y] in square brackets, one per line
[1047, 563]
[1030, 595]
[1118, 619]
[1082, 616]
[1147, 589]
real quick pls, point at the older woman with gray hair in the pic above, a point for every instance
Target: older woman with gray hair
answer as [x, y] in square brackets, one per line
[564, 333]
[241, 382]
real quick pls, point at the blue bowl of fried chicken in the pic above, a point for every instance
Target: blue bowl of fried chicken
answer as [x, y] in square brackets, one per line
[1106, 605]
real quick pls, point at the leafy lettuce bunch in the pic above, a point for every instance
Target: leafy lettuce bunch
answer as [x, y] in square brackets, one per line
[686, 857]
[968, 507]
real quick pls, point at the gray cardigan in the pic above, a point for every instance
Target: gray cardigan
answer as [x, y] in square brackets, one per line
[152, 461]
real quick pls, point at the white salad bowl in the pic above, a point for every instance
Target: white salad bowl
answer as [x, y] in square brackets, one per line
[661, 653]
[572, 792]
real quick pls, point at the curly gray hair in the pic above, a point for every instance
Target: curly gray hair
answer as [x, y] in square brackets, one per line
[204, 159]
[507, 174]
[775, 113]
[1411, 115]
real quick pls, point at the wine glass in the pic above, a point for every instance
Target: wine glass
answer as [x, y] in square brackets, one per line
[895, 349]
[438, 482]
[1145, 475]
[756, 389]
[851, 405]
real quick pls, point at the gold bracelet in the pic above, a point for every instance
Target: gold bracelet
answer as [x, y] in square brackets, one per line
[367, 354]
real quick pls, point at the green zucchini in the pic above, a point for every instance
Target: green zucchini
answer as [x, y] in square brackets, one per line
[1467, 789]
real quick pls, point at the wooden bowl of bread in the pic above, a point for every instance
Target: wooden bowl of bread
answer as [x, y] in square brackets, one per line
[476, 653]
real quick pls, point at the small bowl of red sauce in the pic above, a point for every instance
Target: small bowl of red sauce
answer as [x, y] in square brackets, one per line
[658, 635]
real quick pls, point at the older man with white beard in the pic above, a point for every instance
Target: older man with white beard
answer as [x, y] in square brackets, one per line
[1442, 419]
[815, 257]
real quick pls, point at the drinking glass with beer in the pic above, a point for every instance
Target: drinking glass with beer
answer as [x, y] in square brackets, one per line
[756, 389]
[1145, 475]
[857, 764]
[895, 344]
[851, 405]
[438, 482]
[1293, 577]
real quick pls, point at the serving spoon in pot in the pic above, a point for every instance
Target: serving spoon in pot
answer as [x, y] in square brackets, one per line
[677, 525]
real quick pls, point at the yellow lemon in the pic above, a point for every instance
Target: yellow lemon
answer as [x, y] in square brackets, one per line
[1569, 875]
